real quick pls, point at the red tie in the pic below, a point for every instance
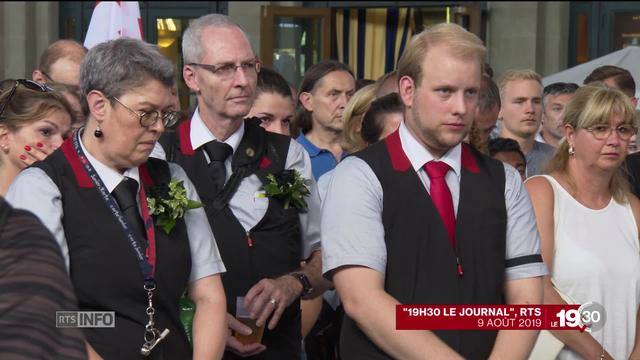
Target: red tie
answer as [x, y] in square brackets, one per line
[441, 196]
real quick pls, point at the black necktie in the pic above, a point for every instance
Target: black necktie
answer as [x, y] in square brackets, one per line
[218, 152]
[125, 194]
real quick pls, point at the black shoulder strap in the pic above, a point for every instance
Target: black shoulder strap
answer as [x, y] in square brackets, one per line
[245, 161]
[276, 151]
[159, 170]
[278, 162]
[255, 144]
[5, 210]
[169, 142]
[230, 188]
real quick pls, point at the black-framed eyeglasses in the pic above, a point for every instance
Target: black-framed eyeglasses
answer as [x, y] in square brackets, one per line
[226, 71]
[602, 132]
[149, 118]
[29, 84]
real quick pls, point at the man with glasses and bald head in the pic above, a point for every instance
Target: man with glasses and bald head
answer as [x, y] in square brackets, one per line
[262, 240]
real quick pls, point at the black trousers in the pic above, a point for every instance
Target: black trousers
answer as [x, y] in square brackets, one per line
[322, 341]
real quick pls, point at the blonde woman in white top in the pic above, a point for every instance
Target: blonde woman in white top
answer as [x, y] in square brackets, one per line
[588, 224]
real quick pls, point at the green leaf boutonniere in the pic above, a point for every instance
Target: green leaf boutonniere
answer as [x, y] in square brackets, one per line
[288, 186]
[168, 203]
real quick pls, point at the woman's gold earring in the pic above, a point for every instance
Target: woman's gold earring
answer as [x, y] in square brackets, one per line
[572, 151]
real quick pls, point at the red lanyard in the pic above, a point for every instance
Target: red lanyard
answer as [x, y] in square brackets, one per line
[149, 229]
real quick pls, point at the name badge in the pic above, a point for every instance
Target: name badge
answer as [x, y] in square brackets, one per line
[260, 200]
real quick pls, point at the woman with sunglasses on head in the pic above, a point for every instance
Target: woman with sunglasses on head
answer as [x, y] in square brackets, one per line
[127, 228]
[33, 122]
[588, 224]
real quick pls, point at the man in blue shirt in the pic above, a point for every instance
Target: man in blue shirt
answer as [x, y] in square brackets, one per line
[324, 93]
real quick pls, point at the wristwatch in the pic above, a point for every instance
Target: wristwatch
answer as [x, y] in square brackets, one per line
[304, 280]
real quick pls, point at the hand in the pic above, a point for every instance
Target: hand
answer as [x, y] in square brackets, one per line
[91, 353]
[236, 346]
[270, 297]
[33, 153]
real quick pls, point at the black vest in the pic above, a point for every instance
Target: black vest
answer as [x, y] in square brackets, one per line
[271, 248]
[421, 263]
[104, 269]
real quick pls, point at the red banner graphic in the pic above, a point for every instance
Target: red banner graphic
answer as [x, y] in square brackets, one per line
[498, 317]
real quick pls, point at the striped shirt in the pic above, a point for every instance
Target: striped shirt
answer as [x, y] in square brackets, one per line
[33, 286]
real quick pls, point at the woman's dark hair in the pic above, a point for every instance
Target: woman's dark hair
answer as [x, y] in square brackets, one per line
[373, 122]
[302, 120]
[270, 81]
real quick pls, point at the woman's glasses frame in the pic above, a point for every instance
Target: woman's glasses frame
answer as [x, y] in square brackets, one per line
[602, 132]
[148, 119]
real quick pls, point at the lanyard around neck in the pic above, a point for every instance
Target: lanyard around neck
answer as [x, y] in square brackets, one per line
[146, 257]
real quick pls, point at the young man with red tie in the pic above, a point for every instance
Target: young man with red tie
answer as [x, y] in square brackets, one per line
[422, 218]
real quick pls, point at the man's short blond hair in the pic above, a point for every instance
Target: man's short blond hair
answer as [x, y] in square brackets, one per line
[517, 75]
[462, 43]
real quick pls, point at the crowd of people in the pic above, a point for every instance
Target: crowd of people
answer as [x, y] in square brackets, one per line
[296, 219]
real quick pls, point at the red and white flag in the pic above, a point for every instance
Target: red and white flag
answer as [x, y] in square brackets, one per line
[114, 19]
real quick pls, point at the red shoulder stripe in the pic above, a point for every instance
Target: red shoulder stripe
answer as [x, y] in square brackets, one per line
[184, 133]
[399, 159]
[83, 179]
[468, 161]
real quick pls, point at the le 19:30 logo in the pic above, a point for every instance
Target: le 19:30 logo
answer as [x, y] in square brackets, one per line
[589, 317]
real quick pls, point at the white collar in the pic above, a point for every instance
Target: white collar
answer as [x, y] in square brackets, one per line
[419, 155]
[200, 133]
[110, 177]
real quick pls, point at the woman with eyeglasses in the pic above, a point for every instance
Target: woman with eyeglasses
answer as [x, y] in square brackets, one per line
[126, 223]
[588, 224]
[33, 122]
